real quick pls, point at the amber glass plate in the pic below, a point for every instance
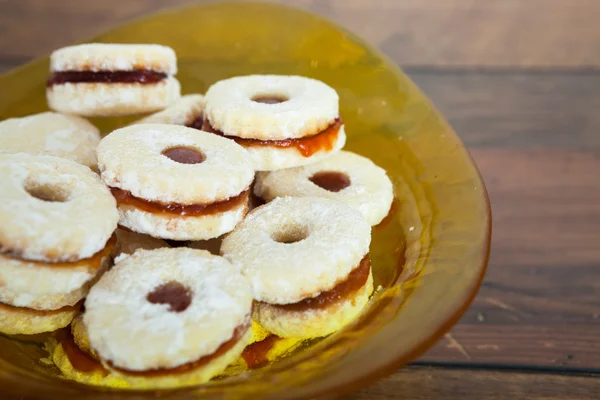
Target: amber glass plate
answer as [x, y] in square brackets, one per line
[428, 256]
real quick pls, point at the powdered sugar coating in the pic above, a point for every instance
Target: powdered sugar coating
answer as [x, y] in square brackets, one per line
[183, 112]
[273, 158]
[184, 227]
[54, 134]
[53, 231]
[112, 99]
[132, 333]
[311, 107]
[370, 191]
[337, 238]
[114, 57]
[147, 174]
[313, 322]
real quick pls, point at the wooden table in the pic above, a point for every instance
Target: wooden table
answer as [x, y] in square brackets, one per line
[520, 82]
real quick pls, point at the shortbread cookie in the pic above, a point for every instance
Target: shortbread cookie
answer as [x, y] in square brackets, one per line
[128, 242]
[53, 134]
[99, 79]
[179, 183]
[77, 361]
[25, 321]
[187, 111]
[52, 209]
[307, 261]
[196, 302]
[345, 177]
[283, 121]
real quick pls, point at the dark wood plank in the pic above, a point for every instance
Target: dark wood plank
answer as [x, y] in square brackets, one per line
[463, 33]
[422, 383]
[540, 303]
[526, 110]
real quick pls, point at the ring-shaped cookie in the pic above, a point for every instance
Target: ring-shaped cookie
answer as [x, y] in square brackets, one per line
[166, 196]
[271, 107]
[345, 176]
[52, 134]
[52, 209]
[294, 248]
[196, 302]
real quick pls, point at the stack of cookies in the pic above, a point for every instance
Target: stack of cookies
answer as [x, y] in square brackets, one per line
[252, 171]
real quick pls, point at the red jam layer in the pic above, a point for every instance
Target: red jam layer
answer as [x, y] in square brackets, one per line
[306, 146]
[142, 76]
[201, 362]
[126, 198]
[355, 280]
[94, 261]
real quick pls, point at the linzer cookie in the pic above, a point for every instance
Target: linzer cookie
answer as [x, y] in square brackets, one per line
[187, 111]
[53, 134]
[169, 317]
[100, 79]
[174, 182]
[75, 358]
[56, 234]
[345, 177]
[307, 261]
[283, 121]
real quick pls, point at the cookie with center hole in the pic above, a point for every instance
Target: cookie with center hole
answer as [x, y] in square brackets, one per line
[174, 182]
[345, 176]
[104, 80]
[307, 260]
[56, 234]
[52, 134]
[169, 317]
[283, 121]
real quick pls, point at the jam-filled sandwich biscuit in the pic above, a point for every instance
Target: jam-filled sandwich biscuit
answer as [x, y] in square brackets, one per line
[56, 234]
[99, 79]
[345, 177]
[174, 182]
[187, 111]
[283, 121]
[53, 134]
[169, 317]
[75, 358]
[307, 261]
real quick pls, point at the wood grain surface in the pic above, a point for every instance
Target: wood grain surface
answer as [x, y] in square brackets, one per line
[519, 80]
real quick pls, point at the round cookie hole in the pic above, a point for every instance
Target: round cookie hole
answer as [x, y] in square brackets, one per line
[173, 293]
[290, 234]
[184, 155]
[269, 98]
[332, 181]
[45, 192]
